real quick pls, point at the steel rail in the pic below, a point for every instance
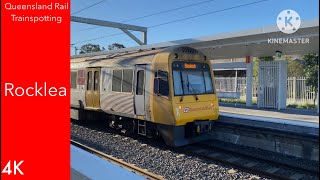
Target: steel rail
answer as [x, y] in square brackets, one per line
[255, 164]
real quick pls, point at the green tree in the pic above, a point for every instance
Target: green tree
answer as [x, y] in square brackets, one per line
[115, 46]
[295, 68]
[311, 72]
[266, 58]
[89, 48]
[256, 63]
[255, 66]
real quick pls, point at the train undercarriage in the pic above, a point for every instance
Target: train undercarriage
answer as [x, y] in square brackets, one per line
[172, 135]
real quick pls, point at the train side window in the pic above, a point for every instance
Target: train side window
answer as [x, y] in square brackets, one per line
[127, 80]
[208, 82]
[164, 87]
[81, 77]
[96, 80]
[74, 80]
[116, 80]
[89, 80]
[161, 85]
[140, 82]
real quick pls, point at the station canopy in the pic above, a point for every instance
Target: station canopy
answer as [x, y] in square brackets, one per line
[253, 42]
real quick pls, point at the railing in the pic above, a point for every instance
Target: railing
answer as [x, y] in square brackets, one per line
[297, 90]
[228, 84]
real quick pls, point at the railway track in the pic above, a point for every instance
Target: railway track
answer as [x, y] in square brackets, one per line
[143, 172]
[261, 166]
[249, 161]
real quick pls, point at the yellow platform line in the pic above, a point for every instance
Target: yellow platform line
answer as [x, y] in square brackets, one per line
[248, 114]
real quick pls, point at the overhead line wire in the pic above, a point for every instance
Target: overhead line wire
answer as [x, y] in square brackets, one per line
[85, 8]
[161, 12]
[204, 14]
[183, 19]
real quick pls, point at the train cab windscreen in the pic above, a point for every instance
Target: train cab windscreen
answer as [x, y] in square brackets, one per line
[191, 79]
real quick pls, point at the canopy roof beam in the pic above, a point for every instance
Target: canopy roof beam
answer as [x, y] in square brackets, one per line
[124, 27]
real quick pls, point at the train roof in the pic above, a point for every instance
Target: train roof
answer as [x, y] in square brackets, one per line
[129, 58]
[116, 59]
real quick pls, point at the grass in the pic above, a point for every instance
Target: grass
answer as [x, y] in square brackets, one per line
[242, 100]
[302, 106]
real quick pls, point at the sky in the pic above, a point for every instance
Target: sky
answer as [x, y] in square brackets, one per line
[235, 19]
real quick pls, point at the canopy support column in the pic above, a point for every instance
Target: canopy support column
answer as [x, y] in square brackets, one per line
[249, 83]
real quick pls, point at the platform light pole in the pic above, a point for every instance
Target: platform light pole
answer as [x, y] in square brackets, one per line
[75, 49]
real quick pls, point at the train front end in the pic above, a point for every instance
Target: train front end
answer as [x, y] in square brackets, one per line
[192, 104]
[194, 101]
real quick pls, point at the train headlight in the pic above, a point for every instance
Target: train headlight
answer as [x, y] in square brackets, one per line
[198, 129]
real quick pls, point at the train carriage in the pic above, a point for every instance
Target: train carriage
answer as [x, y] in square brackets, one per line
[159, 92]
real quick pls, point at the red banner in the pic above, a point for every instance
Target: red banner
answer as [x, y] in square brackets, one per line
[35, 75]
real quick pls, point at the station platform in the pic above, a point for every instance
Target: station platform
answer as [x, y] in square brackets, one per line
[292, 120]
[85, 165]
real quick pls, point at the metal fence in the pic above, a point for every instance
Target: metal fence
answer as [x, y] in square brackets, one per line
[297, 90]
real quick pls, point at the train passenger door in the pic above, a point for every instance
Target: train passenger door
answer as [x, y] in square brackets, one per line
[93, 88]
[139, 94]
